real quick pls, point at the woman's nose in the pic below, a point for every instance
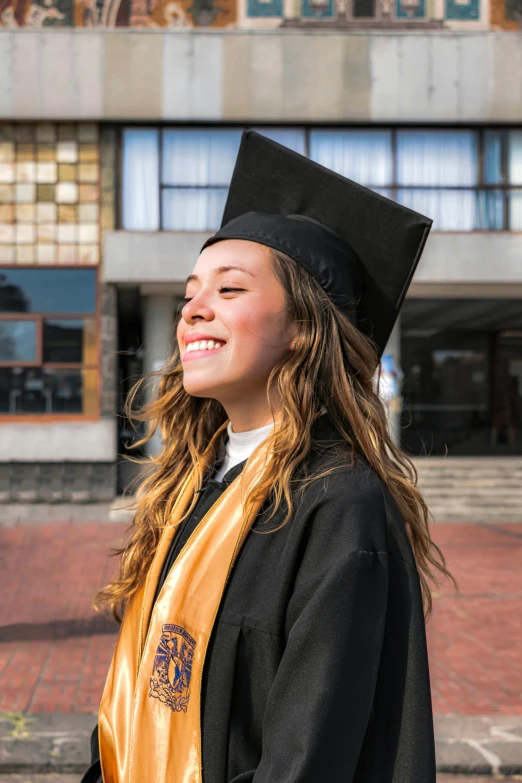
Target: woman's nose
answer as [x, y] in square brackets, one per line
[197, 309]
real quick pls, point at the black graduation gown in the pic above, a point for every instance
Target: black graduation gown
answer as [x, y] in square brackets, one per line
[317, 667]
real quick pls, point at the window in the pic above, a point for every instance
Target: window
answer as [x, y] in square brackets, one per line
[188, 189]
[48, 342]
[437, 172]
[362, 155]
[196, 171]
[177, 179]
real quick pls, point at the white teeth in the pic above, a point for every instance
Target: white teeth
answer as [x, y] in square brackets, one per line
[203, 345]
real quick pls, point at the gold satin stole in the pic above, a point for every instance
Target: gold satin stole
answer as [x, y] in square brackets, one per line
[150, 712]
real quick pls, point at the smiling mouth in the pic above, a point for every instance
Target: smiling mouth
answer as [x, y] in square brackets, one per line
[202, 348]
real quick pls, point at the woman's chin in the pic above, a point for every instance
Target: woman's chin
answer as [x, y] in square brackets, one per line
[209, 390]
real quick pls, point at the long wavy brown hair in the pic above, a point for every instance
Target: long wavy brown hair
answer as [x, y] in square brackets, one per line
[332, 367]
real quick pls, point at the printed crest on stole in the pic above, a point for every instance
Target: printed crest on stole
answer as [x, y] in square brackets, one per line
[172, 668]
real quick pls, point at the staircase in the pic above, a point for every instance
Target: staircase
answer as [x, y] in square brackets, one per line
[472, 489]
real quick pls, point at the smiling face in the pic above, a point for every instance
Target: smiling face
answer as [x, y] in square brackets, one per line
[234, 327]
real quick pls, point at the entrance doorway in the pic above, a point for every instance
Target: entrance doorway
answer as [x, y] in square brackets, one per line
[130, 370]
[462, 388]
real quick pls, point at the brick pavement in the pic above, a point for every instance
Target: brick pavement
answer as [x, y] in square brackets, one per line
[54, 652]
[475, 642]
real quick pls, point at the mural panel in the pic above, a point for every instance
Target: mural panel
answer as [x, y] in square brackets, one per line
[318, 9]
[118, 13]
[190, 14]
[410, 9]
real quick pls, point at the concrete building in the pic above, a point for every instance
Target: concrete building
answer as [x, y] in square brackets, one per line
[116, 147]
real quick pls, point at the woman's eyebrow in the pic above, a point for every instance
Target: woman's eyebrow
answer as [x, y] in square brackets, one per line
[221, 269]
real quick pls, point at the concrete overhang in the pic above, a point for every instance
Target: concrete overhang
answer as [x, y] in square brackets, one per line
[490, 263]
[151, 259]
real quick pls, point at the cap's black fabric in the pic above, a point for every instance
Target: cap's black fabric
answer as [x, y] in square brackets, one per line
[361, 248]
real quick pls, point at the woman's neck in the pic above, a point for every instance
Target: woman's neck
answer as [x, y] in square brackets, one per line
[245, 415]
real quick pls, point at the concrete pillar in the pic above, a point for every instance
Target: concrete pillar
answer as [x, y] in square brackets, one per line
[158, 339]
[393, 349]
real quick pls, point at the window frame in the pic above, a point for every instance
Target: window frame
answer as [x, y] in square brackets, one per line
[503, 187]
[39, 318]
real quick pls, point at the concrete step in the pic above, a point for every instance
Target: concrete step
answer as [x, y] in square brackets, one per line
[461, 489]
[465, 494]
[470, 487]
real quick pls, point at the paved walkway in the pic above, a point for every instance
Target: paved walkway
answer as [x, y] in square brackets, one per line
[475, 642]
[55, 652]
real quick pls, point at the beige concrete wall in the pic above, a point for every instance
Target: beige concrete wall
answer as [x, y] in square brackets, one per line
[262, 75]
[44, 441]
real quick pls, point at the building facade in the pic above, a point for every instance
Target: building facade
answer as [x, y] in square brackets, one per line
[116, 149]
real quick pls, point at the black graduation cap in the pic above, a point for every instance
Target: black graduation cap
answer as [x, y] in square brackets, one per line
[361, 248]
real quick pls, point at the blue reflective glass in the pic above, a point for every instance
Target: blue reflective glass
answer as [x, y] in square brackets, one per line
[17, 341]
[48, 291]
[493, 147]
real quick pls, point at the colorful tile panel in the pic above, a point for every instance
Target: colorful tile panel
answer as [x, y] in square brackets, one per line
[49, 193]
[410, 9]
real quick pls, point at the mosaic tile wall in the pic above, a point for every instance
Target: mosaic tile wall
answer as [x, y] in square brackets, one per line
[118, 13]
[49, 193]
[190, 14]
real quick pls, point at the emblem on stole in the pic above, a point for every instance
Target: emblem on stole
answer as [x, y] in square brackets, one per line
[172, 668]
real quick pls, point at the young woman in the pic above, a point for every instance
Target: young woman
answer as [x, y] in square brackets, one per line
[272, 590]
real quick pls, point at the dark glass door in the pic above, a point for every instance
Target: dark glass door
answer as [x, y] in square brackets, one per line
[462, 387]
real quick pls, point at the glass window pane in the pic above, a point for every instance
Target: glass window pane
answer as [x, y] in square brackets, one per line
[515, 210]
[490, 210]
[437, 157]
[199, 157]
[293, 138]
[18, 341]
[493, 144]
[364, 156]
[62, 341]
[140, 179]
[48, 291]
[193, 209]
[37, 390]
[515, 158]
[450, 210]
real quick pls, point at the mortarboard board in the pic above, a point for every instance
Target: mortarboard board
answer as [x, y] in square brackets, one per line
[361, 247]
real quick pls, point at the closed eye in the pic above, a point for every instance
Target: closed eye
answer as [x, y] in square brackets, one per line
[222, 290]
[228, 290]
